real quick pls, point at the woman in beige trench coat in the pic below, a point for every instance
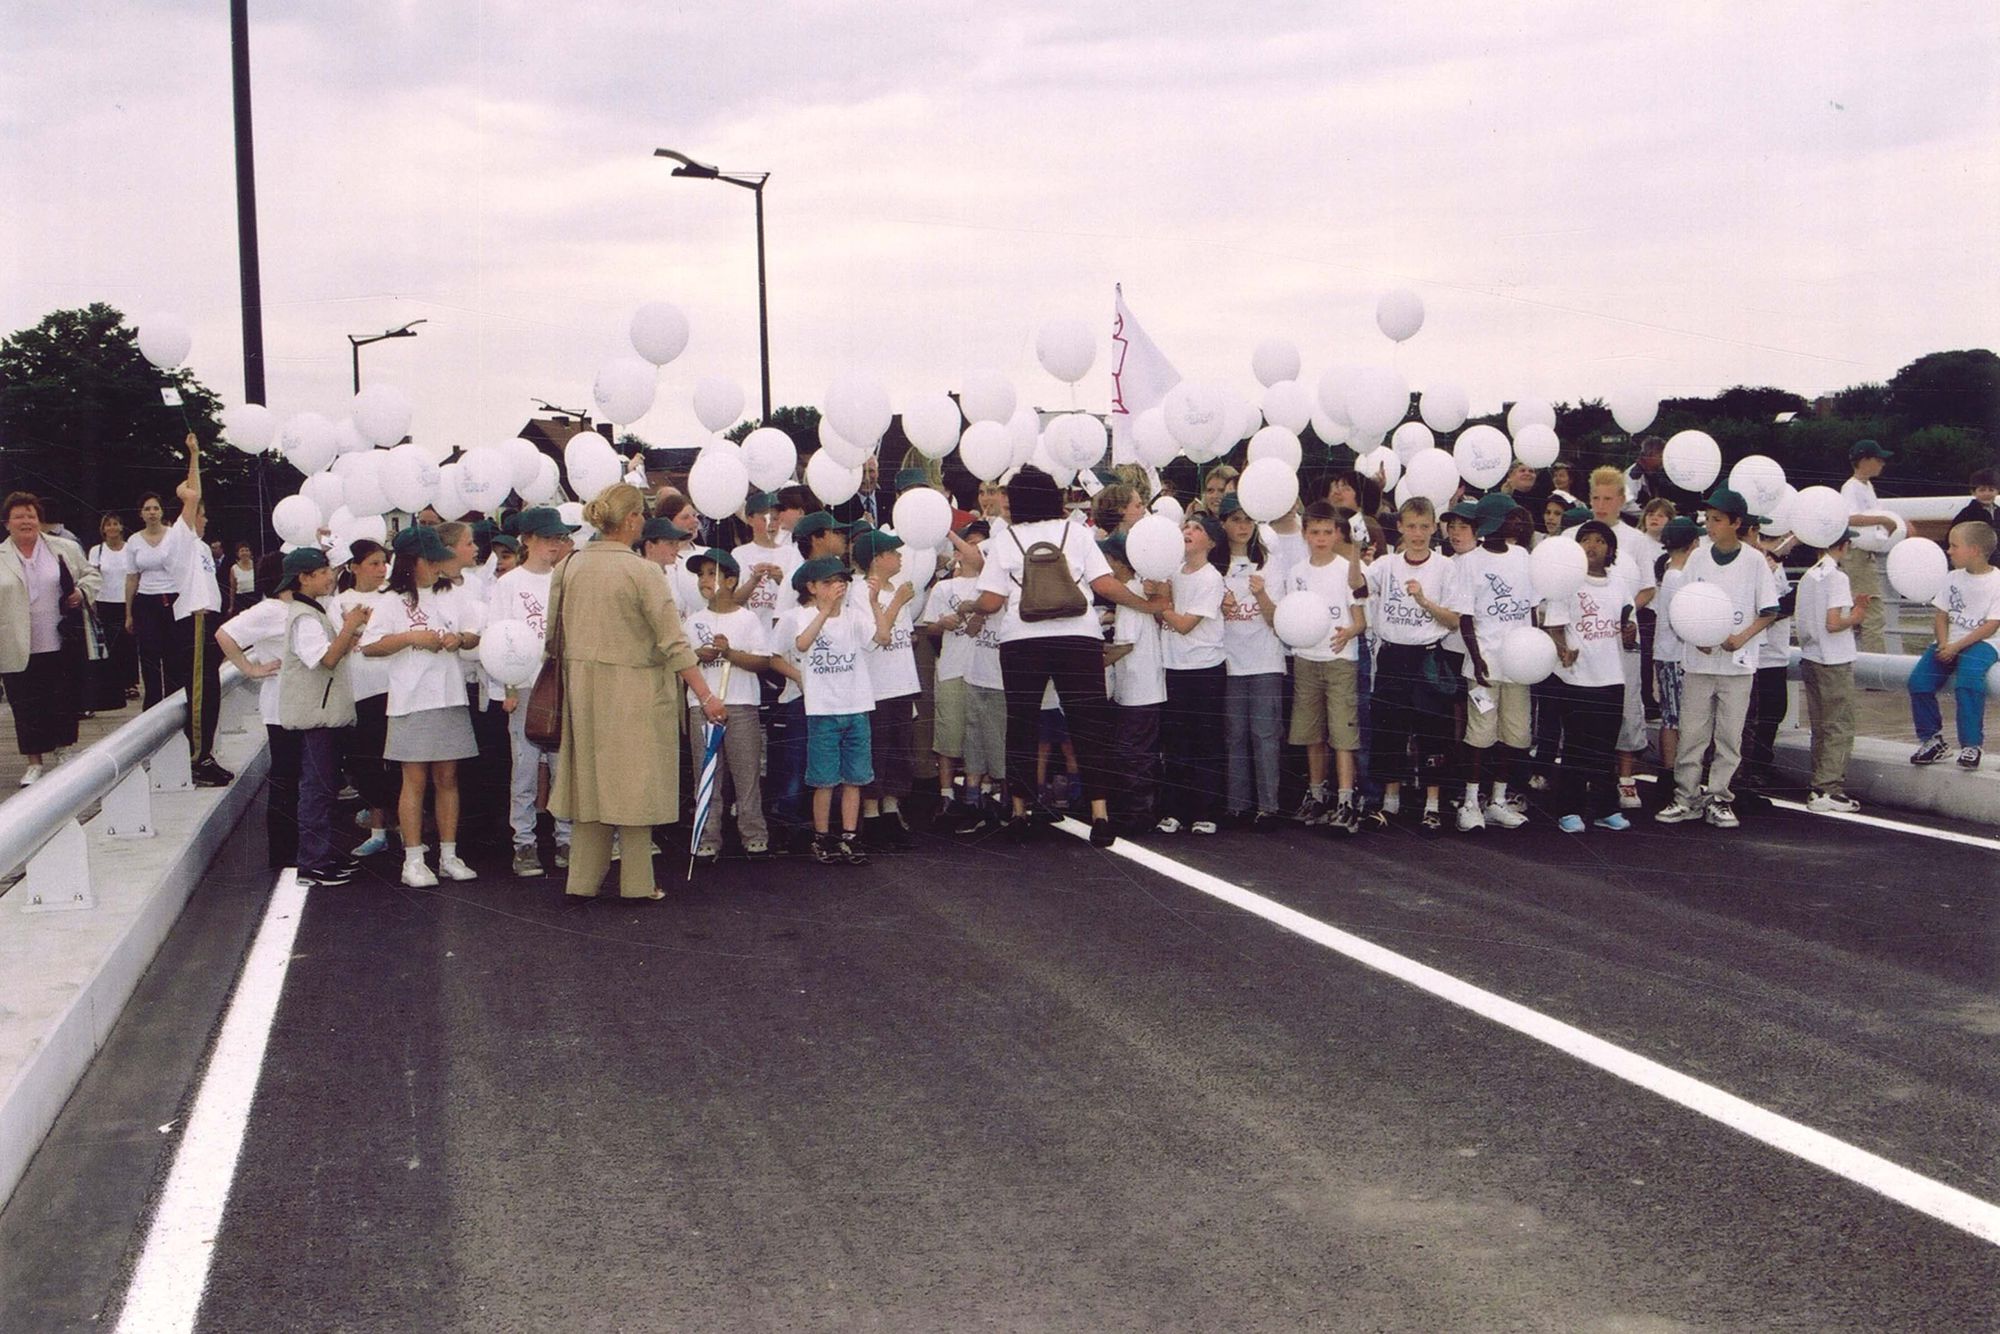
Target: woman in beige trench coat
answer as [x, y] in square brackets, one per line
[625, 659]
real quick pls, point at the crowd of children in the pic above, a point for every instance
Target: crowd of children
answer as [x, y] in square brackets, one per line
[854, 671]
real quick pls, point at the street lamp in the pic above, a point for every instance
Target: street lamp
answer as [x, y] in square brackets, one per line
[359, 341]
[753, 181]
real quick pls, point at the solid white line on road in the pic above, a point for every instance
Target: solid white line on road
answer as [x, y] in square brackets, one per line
[1877, 822]
[167, 1283]
[1945, 1203]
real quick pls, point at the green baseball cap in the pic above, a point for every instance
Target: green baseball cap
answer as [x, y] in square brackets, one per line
[717, 557]
[663, 530]
[1866, 449]
[423, 543]
[760, 501]
[1491, 512]
[542, 521]
[818, 568]
[819, 521]
[872, 543]
[298, 561]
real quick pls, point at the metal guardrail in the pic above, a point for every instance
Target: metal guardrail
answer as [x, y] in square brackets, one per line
[1890, 671]
[121, 770]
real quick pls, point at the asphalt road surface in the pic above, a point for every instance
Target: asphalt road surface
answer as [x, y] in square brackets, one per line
[1044, 1088]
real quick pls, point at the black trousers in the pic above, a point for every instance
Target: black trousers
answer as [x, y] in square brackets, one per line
[1075, 663]
[193, 663]
[152, 635]
[1135, 747]
[44, 696]
[118, 670]
[1191, 750]
[1591, 716]
[281, 799]
[1770, 697]
[377, 780]
[1407, 714]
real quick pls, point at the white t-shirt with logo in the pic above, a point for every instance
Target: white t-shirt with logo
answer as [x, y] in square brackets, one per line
[518, 595]
[1394, 617]
[773, 597]
[419, 679]
[1824, 588]
[1197, 594]
[1748, 581]
[835, 672]
[1774, 646]
[369, 676]
[1140, 677]
[953, 597]
[892, 667]
[1969, 600]
[1331, 583]
[746, 633]
[1250, 647]
[1594, 619]
[1497, 590]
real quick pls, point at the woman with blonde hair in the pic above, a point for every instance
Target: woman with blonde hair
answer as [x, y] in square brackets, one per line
[45, 588]
[622, 646]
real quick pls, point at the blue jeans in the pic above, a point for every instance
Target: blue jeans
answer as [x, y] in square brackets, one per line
[1967, 673]
[319, 798]
[1253, 730]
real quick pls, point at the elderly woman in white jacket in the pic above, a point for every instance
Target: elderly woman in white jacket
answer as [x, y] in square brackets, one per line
[45, 587]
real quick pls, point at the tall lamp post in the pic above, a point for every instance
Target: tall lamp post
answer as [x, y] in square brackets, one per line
[359, 341]
[753, 181]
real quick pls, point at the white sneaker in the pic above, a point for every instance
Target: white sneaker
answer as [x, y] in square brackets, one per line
[1469, 819]
[1202, 827]
[1168, 825]
[1505, 816]
[454, 868]
[32, 776]
[1680, 810]
[417, 875]
[1832, 803]
[1628, 794]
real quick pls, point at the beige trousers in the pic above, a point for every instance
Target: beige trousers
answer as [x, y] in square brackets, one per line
[1830, 708]
[590, 858]
[1864, 575]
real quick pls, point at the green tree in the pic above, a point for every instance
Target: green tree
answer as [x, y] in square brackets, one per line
[800, 423]
[1949, 389]
[84, 426]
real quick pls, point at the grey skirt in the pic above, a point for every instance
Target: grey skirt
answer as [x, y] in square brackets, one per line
[431, 734]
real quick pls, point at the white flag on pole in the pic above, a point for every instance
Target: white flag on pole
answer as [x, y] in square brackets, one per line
[1140, 376]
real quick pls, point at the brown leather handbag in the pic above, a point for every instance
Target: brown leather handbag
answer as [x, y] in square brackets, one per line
[545, 702]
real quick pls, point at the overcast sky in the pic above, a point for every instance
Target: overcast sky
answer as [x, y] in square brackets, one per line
[1684, 196]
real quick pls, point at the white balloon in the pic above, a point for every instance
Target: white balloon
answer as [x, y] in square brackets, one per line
[165, 340]
[1483, 454]
[1411, 439]
[1527, 655]
[717, 483]
[1268, 489]
[1377, 399]
[591, 464]
[1778, 519]
[1287, 404]
[251, 427]
[1381, 463]
[1692, 460]
[1151, 443]
[858, 407]
[527, 461]
[1080, 438]
[410, 478]
[1329, 431]
[1819, 516]
[1303, 620]
[1024, 432]
[1275, 360]
[830, 479]
[1433, 475]
[923, 518]
[485, 476]
[1875, 541]
[1066, 348]
[511, 653]
[931, 422]
[624, 389]
[988, 396]
[1444, 407]
[659, 332]
[344, 530]
[296, 520]
[1154, 547]
[325, 490]
[1760, 480]
[1168, 508]
[1917, 568]
[1701, 614]
[770, 457]
[986, 449]
[1537, 445]
[347, 438]
[718, 402]
[1633, 409]
[546, 489]
[1333, 393]
[1558, 569]
[1195, 415]
[845, 451]
[1242, 419]
[361, 491]
[450, 502]
[572, 513]
[1528, 412]
[1399, 314]
[308, 442]
[1061, 471]
[1275, 442]
[382, 413]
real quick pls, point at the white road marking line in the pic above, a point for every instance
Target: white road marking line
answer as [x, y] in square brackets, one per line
[1876, 821]
[1945, 1203]
[165, 1294]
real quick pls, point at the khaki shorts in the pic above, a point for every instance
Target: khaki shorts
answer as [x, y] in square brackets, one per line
[1326, 703]
[948, 719]
[1506, 722]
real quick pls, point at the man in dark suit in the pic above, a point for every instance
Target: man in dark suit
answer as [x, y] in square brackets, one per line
[872, 502]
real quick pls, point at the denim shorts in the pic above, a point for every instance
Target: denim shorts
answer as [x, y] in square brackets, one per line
[837, 748]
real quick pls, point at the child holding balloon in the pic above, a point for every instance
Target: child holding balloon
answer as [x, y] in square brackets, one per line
[1326, 682]
[522, 594]
[1191, 723]
[1592, 629]
[1411, 706]
[1827, 615]
[1254, 669]
[1677, 538]
[1492, 594]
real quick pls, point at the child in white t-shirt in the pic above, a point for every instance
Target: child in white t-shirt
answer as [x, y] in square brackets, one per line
[1968, 612]
[1407, 615]
[1253, 659]
[830, 636]
[1677, 539]
[1826, 614]
[522, 594]
[732, 647]
[1136, 682]
[969, 719]
[892, 675]
[1592, 629]
[1191, 728]
[1326, 716]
